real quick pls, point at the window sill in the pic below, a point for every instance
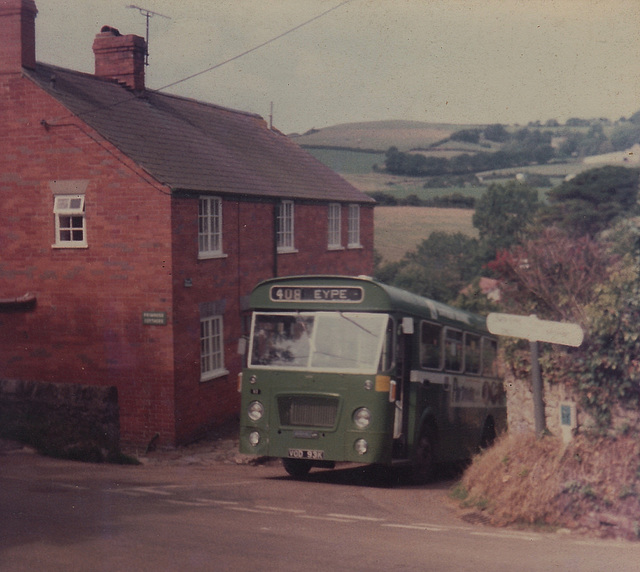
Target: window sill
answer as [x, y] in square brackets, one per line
[214, 375]
[212, 256]
[335, 248]
[287, 250]
[70, 246]
[354, 246]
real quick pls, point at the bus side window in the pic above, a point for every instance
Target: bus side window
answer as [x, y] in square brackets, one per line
[489, 355]
[430, 345]
[472, 353]
[453, 350]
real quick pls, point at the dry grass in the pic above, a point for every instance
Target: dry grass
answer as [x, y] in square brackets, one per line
[590, 485]
[400, 229]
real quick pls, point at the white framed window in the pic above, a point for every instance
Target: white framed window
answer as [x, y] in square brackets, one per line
[211, 348]
[335, 238]
[68, 211]
[353, 239]
[209, 227]
[285, 228]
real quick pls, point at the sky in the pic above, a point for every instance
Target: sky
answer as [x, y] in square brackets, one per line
[438, 61]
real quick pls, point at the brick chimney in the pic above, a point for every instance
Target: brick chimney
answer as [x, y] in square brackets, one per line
[18, 37]
[120, 57]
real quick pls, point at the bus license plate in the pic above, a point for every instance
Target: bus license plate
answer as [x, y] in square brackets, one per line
[311, 454]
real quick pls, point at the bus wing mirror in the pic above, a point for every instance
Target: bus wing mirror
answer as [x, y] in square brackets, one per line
[407, 325]
[242, 346]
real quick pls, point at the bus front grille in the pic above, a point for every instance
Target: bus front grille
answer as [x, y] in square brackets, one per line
[308, 411]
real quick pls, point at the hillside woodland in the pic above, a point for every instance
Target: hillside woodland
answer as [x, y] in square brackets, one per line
[571, 253]
[419, 162]
[582, 269]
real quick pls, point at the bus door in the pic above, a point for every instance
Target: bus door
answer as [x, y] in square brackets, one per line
[404, 355]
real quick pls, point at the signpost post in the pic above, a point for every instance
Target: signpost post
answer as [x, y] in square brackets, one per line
[535, 330]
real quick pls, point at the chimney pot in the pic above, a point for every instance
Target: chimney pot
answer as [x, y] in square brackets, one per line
[114, 31]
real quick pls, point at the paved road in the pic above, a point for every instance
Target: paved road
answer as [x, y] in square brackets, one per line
[58, 515]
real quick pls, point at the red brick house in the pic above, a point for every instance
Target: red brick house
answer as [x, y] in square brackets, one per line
[138, 223]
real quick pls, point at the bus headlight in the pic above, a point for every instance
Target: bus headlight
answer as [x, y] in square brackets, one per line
[362, 418]
[361, 446]
[254, 438]
[255, 411]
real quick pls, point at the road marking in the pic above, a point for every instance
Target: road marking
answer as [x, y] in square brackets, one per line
[329, 518]
[247, 509]
[214, 501]
[278, 509]
[151, 491]
[417, 527]
[431, 525]
[355, 517]
[185, 503]
[513, 535]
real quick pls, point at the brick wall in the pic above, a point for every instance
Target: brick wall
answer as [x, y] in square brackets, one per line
[87, 326]
[248, 246]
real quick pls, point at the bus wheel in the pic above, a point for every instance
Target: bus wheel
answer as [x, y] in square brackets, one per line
[423, 468]
[296, 467]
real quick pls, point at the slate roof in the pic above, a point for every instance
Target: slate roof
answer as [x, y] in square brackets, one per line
[190, 145]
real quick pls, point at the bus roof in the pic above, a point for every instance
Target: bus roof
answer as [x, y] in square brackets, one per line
[350, 293]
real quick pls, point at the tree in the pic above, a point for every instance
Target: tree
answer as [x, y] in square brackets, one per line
[496, 133]
[439, 268]
[503, 213]
[591, 201]
[467, 135]
[552, 275]
[608, 373]
[543, 154]
[625, 136]
[394, 161]
[596, 283]
[577, 122]
[635, 118]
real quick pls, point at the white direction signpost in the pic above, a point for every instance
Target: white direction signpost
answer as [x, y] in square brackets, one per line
[535, 330]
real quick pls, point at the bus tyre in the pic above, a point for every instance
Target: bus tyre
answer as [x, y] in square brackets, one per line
[423, 469]
[296, 467]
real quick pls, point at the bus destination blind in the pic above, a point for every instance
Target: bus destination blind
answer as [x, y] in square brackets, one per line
[334, 294]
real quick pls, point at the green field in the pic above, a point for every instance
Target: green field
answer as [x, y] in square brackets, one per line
[346, 161]
[400, 229]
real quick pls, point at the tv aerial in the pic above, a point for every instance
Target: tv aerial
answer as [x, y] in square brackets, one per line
[148, 14]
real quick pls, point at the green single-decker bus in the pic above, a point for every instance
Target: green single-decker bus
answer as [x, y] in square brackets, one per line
[347, 369]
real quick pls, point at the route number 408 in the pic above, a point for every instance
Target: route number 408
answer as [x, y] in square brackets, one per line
[288, 294]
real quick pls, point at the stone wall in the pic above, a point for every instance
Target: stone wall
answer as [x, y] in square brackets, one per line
[520, 405]
[520, 410]
[61, 419]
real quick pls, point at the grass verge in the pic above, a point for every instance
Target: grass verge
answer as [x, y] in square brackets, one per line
[590, 485]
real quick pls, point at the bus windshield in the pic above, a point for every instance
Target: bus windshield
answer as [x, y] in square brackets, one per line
[318, 341]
